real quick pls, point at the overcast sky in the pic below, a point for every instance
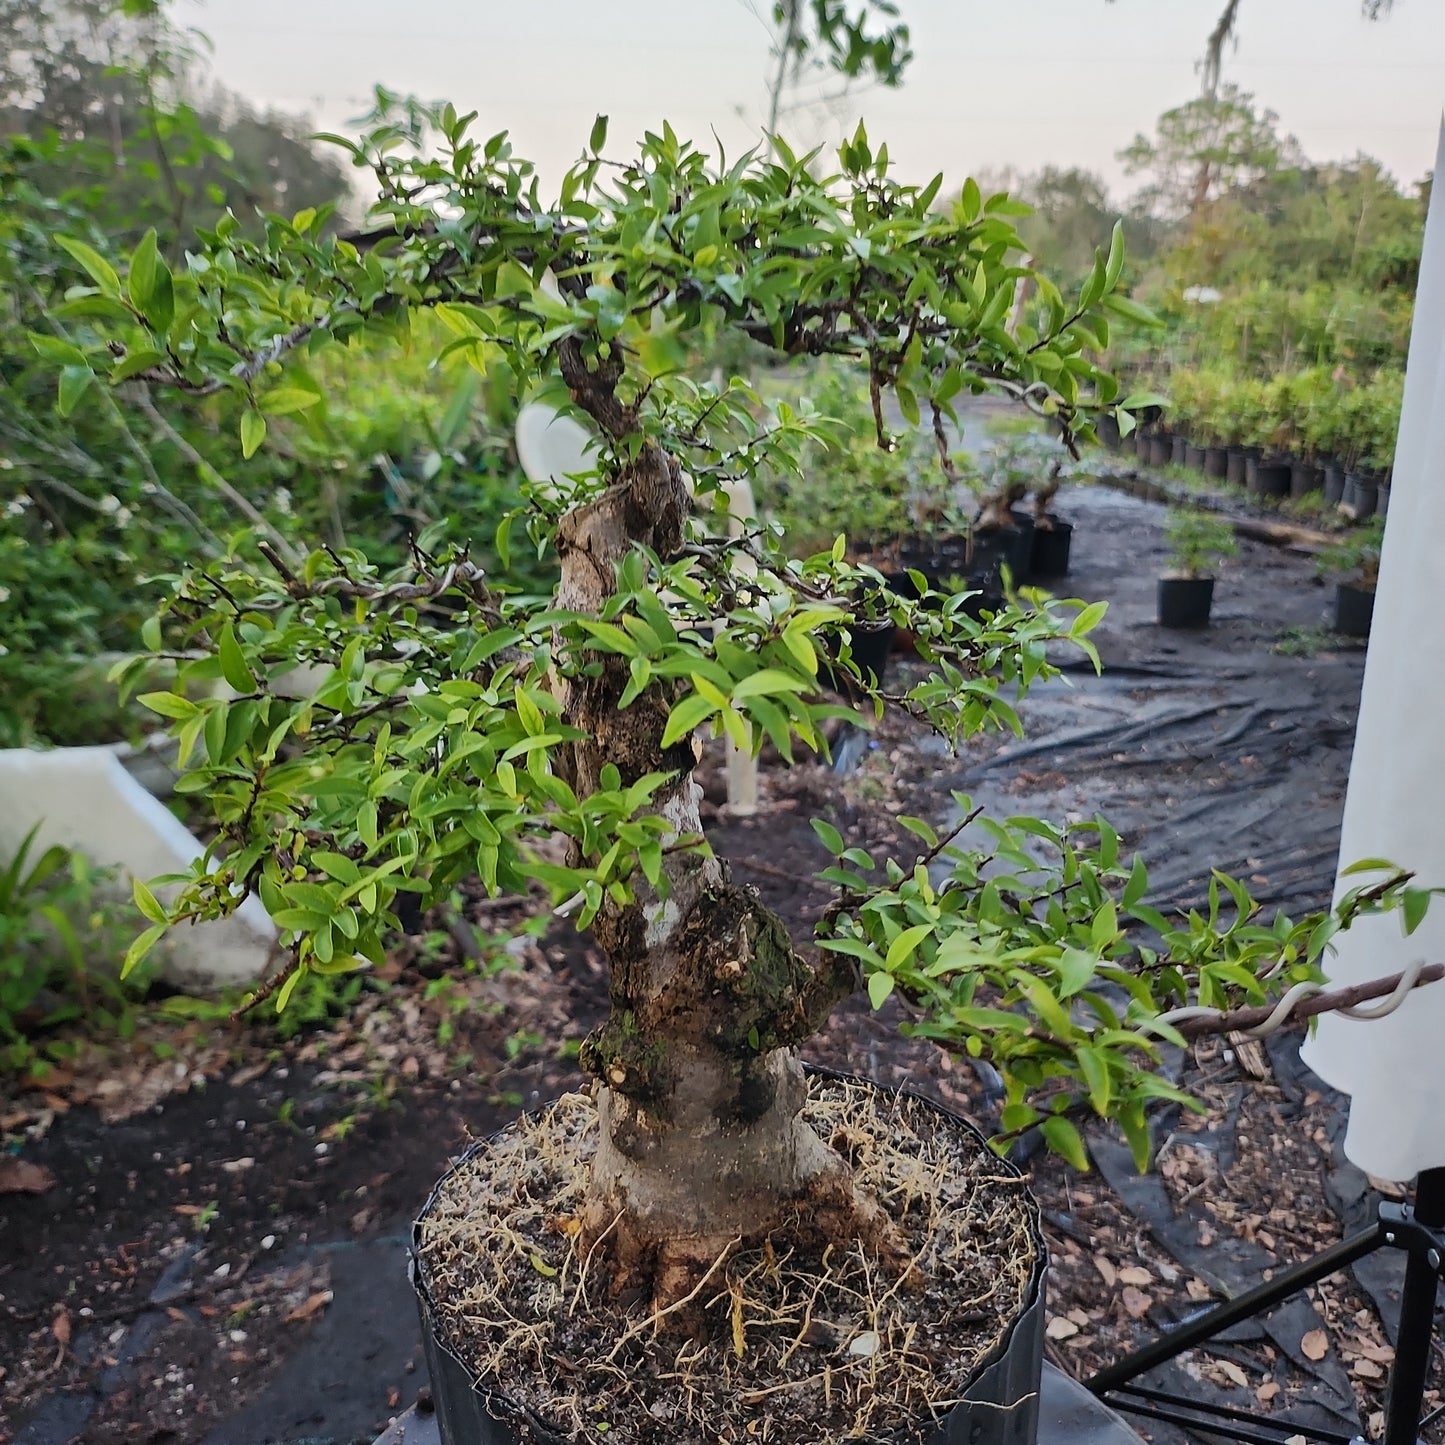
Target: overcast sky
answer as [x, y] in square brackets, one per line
[995, 82]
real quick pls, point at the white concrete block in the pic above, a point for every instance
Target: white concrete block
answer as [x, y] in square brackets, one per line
[83, 798]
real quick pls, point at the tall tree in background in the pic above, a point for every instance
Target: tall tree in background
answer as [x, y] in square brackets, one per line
[821, 36]
[109, 93]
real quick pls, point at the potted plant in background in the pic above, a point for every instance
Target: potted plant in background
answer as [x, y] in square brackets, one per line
[1052, 536]
[1268, 474]
[695, 1202]
[1198, 542]
[1355, 565]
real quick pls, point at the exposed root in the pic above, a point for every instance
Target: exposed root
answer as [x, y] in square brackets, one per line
[800, 1338]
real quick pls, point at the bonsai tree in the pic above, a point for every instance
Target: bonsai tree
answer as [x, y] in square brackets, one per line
[552, 744]
[1198, 542]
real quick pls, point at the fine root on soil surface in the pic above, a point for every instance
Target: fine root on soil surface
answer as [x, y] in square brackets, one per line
[803, 1347]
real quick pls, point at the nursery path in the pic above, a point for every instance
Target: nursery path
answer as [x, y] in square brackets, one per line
[1207, 749]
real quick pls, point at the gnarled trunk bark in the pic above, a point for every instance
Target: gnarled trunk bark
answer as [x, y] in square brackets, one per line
[702, 1146]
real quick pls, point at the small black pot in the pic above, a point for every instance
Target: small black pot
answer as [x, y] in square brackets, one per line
[1051, 549]
[1304, 478]
[1238, 467]
[1354, 608]
[1142, 440]
[870, 649]
[1267, 478]
[1361, 495]
[1185, 601]
[1161, 450]
[1333, 483]
[1216, 462]
[1106, 428]
[1010, 547]
[1179, 450]
[999, 1405]
[1194, 456]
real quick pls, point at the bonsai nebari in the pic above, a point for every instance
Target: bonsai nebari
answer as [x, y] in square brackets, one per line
[444, 744]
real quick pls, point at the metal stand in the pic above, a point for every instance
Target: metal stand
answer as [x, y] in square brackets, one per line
[1418, 1229]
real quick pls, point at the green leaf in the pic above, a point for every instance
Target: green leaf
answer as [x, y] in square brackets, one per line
[1088, 619]
[287, 989]
[233, 662]
[253, 433]
[905, 943]
[769, 682]
[1065, 1140]
[147, 902]
[284, 400]
[1114, 266]
[880, 986]
[832, 838]
[93, 263]
[141, 947]
[1369, 865]
[1138, 882]
[598, 138]
[168, 704]
[74, 380]
[149, 283]
[1095, 1070]
[688, 713]
[1415, 903]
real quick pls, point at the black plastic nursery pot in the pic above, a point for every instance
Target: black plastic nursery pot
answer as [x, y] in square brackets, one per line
[870, 649]
[1194, 456]
[1304, 478]
[1267, 477]
[998, 1406]
[1333, 483]
[1051, 549]
[1178, 451]
[1354, 609]
[1185, 601]
[1362, 494]
[1161, 450]
[1107, 430]
[1238, 467]
[1216, 462]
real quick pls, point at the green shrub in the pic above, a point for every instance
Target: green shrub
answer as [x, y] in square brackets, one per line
[1198, 542]
[61, 943]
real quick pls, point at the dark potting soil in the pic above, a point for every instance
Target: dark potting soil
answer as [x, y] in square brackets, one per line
[1231, 747]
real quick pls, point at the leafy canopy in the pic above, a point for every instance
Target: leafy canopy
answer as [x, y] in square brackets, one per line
[424, 745]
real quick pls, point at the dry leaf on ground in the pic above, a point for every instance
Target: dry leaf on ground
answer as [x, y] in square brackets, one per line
[1136, 1302]
[313, 1304]
[20, 1176]
[1060, 1328]
[1315, 1345]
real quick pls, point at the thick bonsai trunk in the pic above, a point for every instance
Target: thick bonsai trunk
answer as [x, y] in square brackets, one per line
[995, 509]
[701, 1147]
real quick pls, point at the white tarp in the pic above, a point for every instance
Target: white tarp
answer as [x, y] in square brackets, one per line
[1394, 1068]
[83, 798]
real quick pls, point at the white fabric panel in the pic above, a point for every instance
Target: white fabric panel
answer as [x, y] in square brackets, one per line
[1394, 1068]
